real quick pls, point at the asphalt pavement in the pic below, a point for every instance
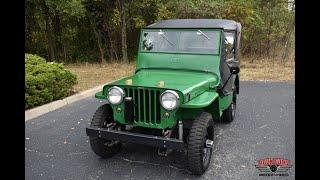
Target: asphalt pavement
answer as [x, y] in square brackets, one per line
[56, 145]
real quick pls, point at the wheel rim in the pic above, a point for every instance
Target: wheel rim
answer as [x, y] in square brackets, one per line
[206, 151]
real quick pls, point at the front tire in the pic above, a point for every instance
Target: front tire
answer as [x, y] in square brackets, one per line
[102, 147]
[198, 153]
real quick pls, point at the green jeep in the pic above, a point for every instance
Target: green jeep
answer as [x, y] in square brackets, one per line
[186, 78]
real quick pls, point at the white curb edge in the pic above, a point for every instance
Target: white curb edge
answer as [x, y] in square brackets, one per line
[37, 111]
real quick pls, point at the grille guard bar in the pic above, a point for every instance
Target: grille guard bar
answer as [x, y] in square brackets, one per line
[150, 140]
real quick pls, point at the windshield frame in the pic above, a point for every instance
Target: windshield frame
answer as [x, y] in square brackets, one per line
[204, 30]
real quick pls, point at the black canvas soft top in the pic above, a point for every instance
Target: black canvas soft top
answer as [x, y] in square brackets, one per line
[197, 23]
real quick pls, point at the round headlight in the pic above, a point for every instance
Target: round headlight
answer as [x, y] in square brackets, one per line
[169, 100]
[115, 95]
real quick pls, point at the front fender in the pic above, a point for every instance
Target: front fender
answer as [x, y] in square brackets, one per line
[100, 95]
[203, 100]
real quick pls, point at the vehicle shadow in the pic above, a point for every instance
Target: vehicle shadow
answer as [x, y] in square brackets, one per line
[172, 166]
[141, 155]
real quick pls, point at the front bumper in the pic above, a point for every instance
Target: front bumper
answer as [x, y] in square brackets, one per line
[150, 140]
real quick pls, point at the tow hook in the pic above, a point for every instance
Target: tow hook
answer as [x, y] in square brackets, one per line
[164, 151]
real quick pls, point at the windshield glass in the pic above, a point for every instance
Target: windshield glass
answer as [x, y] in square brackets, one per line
[187, 41]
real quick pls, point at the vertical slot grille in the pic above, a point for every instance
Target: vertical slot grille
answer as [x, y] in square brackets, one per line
[146, 105]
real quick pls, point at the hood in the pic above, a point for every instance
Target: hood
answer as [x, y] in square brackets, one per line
[190, 83]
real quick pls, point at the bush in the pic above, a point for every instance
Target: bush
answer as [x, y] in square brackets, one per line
[46, 81]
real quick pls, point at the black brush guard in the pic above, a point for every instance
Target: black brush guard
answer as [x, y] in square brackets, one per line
[124, 136]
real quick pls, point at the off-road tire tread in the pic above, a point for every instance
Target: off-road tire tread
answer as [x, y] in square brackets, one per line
[97, 144]
[195, 142]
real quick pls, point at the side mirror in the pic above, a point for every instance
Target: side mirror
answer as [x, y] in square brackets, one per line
[234, 70]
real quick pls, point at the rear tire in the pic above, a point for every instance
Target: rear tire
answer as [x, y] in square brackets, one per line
[102, 147]
[230, 113]
[198, 154]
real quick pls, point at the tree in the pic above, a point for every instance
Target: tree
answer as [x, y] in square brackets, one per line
[123, 32]
[50, 41]
[100, 30]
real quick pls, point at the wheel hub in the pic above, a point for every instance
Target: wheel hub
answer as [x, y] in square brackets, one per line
[207, 149]
[209, 143]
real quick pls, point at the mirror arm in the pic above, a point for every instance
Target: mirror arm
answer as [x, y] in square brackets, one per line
[225, 83]
[233, 72]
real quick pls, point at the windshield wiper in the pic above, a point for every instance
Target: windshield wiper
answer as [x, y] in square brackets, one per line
[201, 33]
[165, 37]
